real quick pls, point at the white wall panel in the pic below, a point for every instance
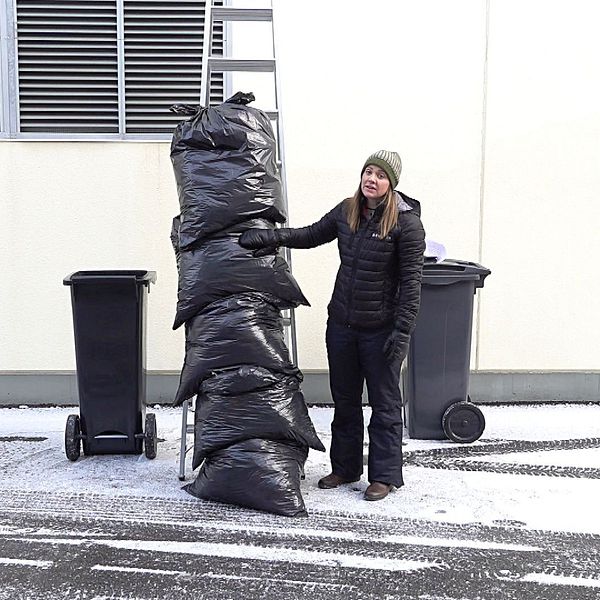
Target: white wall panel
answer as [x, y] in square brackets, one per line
[542, 180]
[358, 77]
[76, 206]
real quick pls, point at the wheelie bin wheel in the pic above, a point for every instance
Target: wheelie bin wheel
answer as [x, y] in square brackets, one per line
[463, 422]
[150, 436]
[73, 437]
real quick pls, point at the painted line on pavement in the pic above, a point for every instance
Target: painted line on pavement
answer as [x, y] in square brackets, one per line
[22, 562]
[137, 570]
[456, 543]
[337, 586]
[247, 552]
[547, 579]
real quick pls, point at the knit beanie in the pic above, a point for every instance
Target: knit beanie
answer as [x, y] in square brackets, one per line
[388, 161]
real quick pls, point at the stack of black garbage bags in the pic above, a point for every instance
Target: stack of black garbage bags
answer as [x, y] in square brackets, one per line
[252, 428]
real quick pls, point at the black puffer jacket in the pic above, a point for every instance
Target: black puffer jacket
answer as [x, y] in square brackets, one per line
[379, 280]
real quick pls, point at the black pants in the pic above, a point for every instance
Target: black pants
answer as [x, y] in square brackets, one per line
[355, 356]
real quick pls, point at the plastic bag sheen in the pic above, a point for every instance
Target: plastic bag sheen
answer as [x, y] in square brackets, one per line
[224, 160]
[260, 474]
[233, 331]
[277, 412]
[221, 267]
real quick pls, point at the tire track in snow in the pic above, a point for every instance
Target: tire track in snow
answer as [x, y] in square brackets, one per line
[163, 548]
[17, 449]
[457, 458]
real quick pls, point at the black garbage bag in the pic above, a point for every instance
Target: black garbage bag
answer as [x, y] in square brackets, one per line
[247, 328]
[253, 430]
[175, 238]
[243, 379]
[238, 228]
[224, 159]
[276, 412]
[256, 473]
[221, 267]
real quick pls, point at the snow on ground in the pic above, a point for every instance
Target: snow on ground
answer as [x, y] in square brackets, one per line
[549, 499]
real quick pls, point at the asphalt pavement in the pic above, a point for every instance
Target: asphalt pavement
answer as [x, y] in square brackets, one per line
[511, 516]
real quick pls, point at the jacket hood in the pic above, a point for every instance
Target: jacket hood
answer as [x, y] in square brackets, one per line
[403, 202]
[406, 203]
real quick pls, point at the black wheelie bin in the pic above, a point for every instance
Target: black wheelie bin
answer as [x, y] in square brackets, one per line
[109, 309]
[435, 374]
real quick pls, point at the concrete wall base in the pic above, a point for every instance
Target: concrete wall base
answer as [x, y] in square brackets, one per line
[59, 388]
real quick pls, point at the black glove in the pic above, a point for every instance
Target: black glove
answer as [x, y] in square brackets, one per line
[395, 347]
[264, 241]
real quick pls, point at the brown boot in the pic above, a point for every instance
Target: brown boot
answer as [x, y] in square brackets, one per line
[378, 490]
[332, 481]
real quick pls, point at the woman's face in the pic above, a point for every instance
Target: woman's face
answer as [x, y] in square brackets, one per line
[374, 183]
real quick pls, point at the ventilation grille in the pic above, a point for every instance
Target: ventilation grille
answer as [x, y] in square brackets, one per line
[68, 64]
[68, 75]
[163, 61]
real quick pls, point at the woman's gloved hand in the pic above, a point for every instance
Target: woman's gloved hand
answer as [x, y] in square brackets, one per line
[395, 347]
[264, 241]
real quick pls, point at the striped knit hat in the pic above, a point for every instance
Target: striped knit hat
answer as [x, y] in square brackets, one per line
[388, 161]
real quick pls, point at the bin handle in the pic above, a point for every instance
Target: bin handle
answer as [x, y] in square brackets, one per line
[96, 278]
[433, 279]
[74, 278]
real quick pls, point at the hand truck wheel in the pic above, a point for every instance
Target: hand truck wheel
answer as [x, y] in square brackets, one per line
[73, 438]
[150, 436]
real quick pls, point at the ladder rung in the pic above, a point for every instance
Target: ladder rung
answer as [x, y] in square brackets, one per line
[237, 64]
[272, 114]
[287, 321]
[228, 13]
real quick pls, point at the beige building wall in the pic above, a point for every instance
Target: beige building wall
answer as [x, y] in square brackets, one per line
[395, 75]
[74, 206]
[507, 169]
[542, 181]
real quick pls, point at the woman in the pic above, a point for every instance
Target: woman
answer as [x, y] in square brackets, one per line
[371, 316]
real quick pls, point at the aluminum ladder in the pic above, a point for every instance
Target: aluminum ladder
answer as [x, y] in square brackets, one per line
[219, 64]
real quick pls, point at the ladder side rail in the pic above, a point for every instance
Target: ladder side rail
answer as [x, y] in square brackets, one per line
[183, 441]
[287, 252]
[223, 64]
[282, 163]
[206, 54]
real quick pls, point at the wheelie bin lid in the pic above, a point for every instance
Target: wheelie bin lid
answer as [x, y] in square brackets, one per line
[137, 276]
[451, 271]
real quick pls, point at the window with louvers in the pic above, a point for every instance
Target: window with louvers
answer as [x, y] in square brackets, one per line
[108, 67]
[163, 60]
[68, 66]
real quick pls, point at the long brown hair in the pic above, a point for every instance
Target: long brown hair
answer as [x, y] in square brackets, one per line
[389, 218]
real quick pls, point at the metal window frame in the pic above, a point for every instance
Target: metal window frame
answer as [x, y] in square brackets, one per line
[9, 85]
[9, 117]
[121, 65]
